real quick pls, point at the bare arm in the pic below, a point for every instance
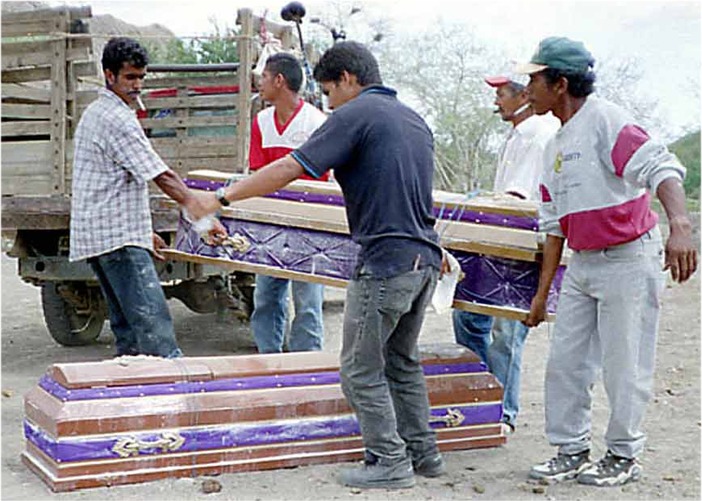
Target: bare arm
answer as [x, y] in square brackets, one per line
[272, 177]
[172, 185]
[553, 250]
[680, 253]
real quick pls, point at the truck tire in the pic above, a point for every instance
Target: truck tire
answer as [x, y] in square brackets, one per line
[66, 325]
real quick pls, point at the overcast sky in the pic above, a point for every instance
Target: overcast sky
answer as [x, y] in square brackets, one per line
[663, 35]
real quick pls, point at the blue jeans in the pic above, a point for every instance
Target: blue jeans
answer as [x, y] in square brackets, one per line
[381, 375]
[499, 343]
[139, 315]
[270, 315]
[472, 330]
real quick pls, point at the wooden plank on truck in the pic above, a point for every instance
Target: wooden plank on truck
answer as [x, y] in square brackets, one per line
[26, 128]
[35, 111]
[39, 57]
[214, 101]
[183, 165]
[26, 168]
[58, 103]
[195, 147]
[22, 93]
[152, 82]
[27, 185]
[83, 69]
[245, 47]
[186, 122]
[41, 15]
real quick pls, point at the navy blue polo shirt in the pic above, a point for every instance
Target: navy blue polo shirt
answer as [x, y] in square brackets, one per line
[382, 153]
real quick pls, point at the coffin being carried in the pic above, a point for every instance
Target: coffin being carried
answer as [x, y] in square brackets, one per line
[300, 232]
[135, 419]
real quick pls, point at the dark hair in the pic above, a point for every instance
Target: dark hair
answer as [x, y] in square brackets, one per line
[579, 84]
[515, 87]
[352, 57]
[123, 50]
[288, 66]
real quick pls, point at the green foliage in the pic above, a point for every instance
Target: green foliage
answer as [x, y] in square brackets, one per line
[174, 51]
[218, 47]
[687, 148]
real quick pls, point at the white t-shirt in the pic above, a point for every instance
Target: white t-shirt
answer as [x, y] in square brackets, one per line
[520, 160]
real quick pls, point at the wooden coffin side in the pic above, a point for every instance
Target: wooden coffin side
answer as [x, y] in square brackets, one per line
[485, 202]
[332, 219]
[125, 371]
[145, 370]
[67, 477]
[75, 418]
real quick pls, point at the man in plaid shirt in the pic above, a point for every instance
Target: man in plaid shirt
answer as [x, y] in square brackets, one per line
[110, 215]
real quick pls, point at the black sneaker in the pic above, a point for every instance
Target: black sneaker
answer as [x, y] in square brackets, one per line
[431, 465]
[562, 467]
[508, 427]
[379, 473]
[611, 470]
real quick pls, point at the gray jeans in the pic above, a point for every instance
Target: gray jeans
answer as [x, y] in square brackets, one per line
[607, 319]
[381, 375]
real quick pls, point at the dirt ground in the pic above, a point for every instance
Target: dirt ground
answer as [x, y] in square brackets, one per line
[671, 461]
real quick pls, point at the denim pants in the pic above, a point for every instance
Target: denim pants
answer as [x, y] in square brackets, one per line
[139, 315]
[499, 343]
[472, 330]
[270, 316]
[607, 319]
[381, 374]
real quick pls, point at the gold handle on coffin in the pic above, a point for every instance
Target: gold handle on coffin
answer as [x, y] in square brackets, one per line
[453, 417]
[131, 446]
[238, 242]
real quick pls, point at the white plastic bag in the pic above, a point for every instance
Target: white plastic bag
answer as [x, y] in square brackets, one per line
[442, 300]
[270, 47]
[201, 226]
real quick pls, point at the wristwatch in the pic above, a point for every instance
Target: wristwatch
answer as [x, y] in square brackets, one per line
[219, 193]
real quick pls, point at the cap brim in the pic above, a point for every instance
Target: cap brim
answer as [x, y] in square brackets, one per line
[497, 81]
[529, 68]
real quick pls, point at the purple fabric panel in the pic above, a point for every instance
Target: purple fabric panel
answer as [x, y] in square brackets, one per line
[294, 249]
[489, 280]
[202, 184]
[498, 281]
[467, 216]
[312, 198]
[236, 435]
[455, 214]
[232, 384]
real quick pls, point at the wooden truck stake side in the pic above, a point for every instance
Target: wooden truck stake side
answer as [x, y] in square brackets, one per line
[49, 76]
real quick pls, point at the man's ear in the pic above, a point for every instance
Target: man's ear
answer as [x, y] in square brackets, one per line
[110, 77]
[561, 86]
[280, 80]
[349, 78]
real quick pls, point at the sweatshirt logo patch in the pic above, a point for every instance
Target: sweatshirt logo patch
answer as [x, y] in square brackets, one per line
[558, 164]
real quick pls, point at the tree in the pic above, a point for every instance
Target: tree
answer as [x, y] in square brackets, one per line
[443, 70]
[618, 81]
[218, 47]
